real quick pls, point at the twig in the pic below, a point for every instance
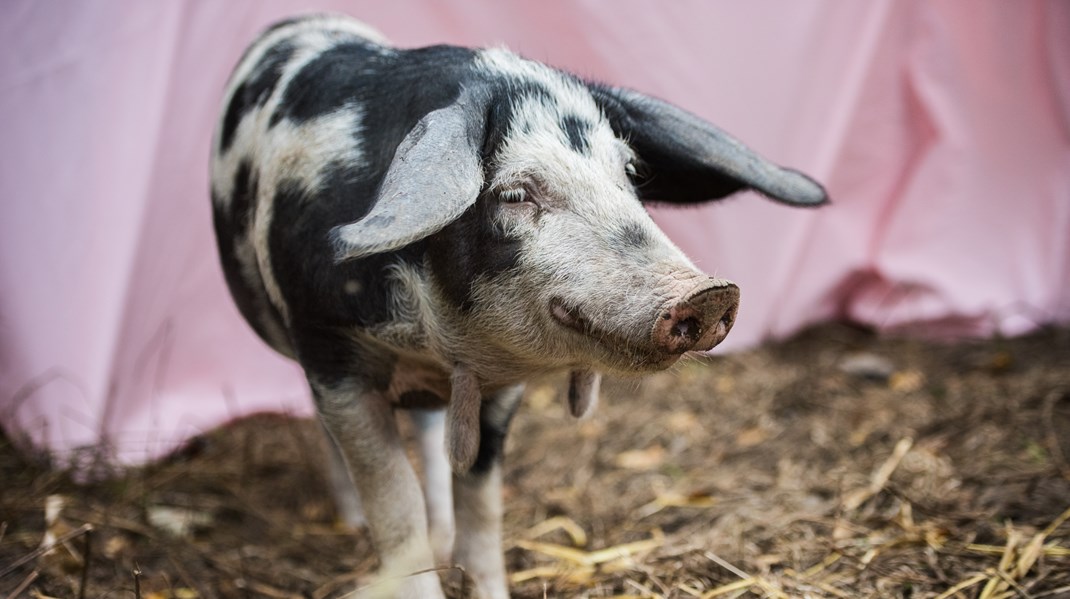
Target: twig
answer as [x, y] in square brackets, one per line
[244, 586]
[81, 530]
[645, 590]
[459, 568]
[267, 590]
[574, 531]
[745, 581]
[24, 584]
[87, 553]
[1013, 584]
[335, 583]
[593, 558]
[880, 476]
[820, 566]
[831, 590]
[739, 585]
[655, 580]
[137, 581]
[1053, 592]
[54, 373]
[965, 584]
[1056, 523]
[1051, 437]
[184, 574]
[713, 557]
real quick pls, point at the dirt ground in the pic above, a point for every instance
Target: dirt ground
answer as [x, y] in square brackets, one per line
[836, 464]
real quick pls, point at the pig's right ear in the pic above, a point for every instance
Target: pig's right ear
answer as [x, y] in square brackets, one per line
[436, 175]
[687, 160]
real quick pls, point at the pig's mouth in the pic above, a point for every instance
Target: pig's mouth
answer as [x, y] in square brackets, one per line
[616, 346]
[571, 317]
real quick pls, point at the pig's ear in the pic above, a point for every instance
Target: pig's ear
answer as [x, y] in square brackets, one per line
[436, 174]
[686, 159]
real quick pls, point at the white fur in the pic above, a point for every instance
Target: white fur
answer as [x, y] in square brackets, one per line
[431, 439]
[478, 546]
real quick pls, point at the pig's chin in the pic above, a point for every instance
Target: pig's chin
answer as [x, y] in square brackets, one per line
[616, 352]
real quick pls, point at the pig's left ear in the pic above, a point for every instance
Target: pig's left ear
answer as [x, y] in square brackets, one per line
[436, 175]
[686, 159]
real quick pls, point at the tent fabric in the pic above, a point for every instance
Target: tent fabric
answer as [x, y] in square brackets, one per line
[941, 129]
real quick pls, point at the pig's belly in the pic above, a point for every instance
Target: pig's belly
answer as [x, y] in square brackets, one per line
[418, 385]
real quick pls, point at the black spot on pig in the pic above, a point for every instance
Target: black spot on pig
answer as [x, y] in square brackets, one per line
[255, 91]
[468, 249]
[330, 357]
[491, 441]
[630, 237]
[577, 131]
[509, 94]
[243, 197]
[356, 73]
[318, 289]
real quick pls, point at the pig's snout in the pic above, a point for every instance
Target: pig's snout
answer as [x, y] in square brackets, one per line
[699, 321]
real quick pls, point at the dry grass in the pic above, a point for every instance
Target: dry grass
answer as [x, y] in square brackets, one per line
[771, 473]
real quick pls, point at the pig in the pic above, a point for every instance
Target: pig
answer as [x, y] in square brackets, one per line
[423, 230]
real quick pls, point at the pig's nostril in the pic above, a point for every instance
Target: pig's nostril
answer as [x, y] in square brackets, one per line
[688, 328]
[698, 321]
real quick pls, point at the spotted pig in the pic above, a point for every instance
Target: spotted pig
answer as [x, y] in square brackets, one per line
[425, 229]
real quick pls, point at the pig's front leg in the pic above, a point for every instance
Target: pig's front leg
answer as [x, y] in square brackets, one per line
[477, 500]
[431, 438]
[362, 423]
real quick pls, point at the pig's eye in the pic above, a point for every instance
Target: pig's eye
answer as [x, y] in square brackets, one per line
[630, 169]
[517, 195]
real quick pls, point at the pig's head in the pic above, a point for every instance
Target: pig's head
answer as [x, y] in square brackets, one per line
[530, 187]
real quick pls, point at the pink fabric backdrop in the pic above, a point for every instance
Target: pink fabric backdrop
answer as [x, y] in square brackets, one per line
[941, 128]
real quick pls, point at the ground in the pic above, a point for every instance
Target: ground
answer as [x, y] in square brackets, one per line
[835, 464]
